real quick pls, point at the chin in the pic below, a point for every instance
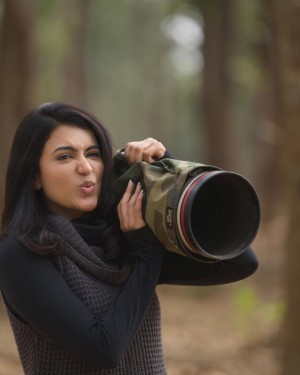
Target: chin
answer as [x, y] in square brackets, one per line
[87, 209]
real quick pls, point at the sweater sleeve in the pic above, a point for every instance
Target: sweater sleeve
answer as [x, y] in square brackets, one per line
[181, 270]
[36, 292]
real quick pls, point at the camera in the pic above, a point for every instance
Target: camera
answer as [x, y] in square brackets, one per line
[195, 210]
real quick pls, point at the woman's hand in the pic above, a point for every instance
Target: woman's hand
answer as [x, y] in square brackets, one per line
[130, 208]
[148, 150]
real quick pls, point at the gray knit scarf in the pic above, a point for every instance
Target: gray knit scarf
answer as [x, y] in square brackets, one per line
[88, 257]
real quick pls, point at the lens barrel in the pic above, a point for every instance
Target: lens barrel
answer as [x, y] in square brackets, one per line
[218, 216]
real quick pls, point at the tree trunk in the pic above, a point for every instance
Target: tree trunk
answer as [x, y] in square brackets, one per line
[286, 41]
[75, 80]
[218, 29]
[15, 75]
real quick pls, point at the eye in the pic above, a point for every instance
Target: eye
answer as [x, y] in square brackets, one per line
[64, 157]
[94, 154]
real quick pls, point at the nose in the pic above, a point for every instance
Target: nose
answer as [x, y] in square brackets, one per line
[84, 166]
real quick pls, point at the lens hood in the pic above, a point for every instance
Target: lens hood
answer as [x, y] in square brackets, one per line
[217, 215]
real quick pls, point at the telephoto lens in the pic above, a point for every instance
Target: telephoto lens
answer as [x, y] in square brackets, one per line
[196, 210]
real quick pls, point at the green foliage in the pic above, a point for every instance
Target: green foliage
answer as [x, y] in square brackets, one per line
[245, 300]
[249, 308]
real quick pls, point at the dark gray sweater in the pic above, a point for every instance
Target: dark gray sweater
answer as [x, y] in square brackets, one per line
[107, 346]
[81, 315]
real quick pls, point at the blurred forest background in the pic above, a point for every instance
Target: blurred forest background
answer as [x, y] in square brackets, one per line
[218, 82]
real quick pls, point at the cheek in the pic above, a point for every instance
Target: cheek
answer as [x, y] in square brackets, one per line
[54, 181]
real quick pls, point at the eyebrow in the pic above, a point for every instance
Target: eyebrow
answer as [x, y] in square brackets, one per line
[70, 148]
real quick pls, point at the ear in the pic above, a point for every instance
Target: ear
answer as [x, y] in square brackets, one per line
[36, 183]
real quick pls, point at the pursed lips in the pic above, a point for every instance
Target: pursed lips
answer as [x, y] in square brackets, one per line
[87, 187]
[87, 184]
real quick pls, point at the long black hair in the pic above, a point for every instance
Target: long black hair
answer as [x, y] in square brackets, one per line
[25, 212]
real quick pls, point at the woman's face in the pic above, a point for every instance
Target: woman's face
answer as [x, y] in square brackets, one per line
[71, 171]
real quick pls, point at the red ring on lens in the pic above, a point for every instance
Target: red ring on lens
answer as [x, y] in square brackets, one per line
[182, 224]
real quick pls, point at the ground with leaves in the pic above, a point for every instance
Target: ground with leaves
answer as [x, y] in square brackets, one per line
[224, 330]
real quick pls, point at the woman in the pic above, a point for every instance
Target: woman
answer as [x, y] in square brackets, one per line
[79, 280]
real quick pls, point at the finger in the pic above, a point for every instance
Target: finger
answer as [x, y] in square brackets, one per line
[123, 204]
[139, 201]
[135, 216]
[134, 150]
[130, 208]
[133, 199]
[139, 220]
[128, 192]
[120, 216]
[155, 151]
